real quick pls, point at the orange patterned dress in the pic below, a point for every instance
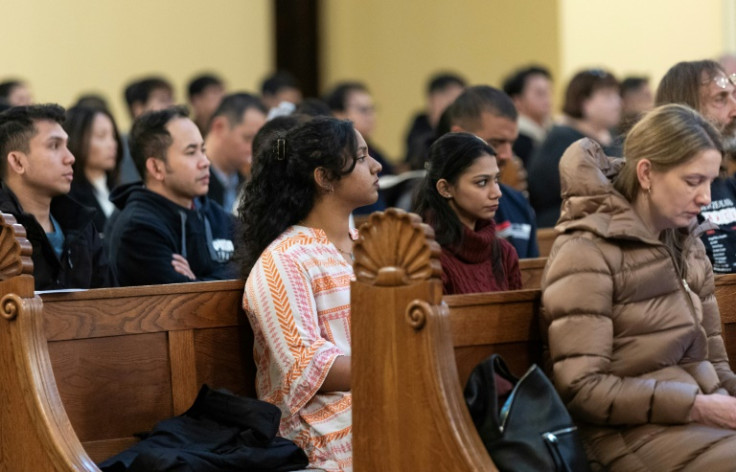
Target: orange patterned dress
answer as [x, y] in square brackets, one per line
[297, 298]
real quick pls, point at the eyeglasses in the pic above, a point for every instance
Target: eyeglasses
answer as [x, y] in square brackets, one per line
[722, 81]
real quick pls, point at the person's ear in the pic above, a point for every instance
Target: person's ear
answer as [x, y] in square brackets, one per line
[321, 179]
[155, 168]
[17, 162]
[444, 189]
[219, 124]
[644, 174]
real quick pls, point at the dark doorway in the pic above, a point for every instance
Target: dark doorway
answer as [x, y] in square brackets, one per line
[297, 42]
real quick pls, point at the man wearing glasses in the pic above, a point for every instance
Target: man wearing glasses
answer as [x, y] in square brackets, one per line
[705, 86]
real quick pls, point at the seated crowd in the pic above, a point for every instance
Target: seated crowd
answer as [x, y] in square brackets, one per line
[266, 186]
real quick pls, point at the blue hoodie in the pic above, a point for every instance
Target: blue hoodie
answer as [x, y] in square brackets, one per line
[149, 229]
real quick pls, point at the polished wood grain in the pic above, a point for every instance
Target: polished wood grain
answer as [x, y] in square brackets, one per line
[101, 365]
[545, 238]
[531, 271]
[408, 408]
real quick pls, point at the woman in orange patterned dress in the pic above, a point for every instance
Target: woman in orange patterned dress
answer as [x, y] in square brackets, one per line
[297, 256]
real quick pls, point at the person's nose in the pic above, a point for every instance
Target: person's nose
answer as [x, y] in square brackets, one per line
[704, 197]
[376, 166]
[495, 191]
[504, 151]
[69, 157]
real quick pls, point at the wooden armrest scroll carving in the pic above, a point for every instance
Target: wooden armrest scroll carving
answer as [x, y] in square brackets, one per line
[15, 249]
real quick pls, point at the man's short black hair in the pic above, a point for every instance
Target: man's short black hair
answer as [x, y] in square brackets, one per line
[198, 84]
[18, 126]
[440, 82]
[6, 88]
[140, 90]
[631, 84]
[515, 83]
[234, 105]
[273, 84]
[466, 110]
[149, 136]
[338, 97]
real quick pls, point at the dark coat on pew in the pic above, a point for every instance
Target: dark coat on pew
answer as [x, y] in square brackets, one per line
[150, 229]
[82, 264]
[631, 338]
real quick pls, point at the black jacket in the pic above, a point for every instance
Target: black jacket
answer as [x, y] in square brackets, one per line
[83, 192]
[82, 264]
[149, 229]
[221, 432]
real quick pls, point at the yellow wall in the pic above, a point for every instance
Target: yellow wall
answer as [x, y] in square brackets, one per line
[638, 37]
[66, 48]
[394, 46]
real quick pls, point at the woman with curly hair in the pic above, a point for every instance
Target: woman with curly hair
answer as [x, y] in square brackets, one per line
[297, 256]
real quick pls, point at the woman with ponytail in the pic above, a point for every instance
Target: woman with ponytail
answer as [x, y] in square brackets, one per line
[297, 256]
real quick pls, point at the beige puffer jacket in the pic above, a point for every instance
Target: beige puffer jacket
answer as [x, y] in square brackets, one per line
[630, 342]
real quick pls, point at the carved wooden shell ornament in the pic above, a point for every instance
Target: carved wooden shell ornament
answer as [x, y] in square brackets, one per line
[395, 248]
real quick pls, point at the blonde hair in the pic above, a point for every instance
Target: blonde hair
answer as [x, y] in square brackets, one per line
[668, 136]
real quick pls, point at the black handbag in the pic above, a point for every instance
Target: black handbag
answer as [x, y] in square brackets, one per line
[532, 430]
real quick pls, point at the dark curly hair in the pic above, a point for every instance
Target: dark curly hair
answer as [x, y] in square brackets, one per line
[282, 190]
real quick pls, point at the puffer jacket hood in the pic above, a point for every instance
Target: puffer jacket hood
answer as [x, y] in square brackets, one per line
[591, 203]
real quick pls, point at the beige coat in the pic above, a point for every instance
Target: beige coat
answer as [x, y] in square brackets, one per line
[630, 341]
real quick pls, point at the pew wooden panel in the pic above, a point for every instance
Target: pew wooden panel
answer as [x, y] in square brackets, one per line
[82, 372]
[531, 271]
[545, 239]
[137, 355]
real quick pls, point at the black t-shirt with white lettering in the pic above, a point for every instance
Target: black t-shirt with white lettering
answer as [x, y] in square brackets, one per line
[720, 244]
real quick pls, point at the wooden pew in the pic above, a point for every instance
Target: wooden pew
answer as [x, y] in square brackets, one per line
[82, 372]
[545, 239]
[413, 350]
[531, 271]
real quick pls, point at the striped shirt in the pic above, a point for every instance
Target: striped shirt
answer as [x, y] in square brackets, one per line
[297, 298]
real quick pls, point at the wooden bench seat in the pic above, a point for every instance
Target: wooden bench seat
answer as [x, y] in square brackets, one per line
[82, 372]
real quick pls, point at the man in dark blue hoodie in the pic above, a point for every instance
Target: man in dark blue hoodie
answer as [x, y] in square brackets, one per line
[167, 230]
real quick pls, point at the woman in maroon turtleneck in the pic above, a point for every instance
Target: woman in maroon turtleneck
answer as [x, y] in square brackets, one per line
[458, 198]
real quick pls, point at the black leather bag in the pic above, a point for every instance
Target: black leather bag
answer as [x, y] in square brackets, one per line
[532, 430]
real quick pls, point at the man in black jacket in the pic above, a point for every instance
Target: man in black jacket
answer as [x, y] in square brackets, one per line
[167, 230]
[36, 170]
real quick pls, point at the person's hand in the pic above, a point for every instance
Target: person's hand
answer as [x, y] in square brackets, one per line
[181, 265]
[714, 410]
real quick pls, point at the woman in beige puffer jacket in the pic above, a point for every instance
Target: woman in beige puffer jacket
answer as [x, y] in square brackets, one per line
[632, 324]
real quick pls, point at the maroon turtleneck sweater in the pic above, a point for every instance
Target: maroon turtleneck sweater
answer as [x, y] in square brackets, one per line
[468, 268]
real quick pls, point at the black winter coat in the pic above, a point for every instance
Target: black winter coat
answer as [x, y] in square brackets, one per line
[82, 264]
